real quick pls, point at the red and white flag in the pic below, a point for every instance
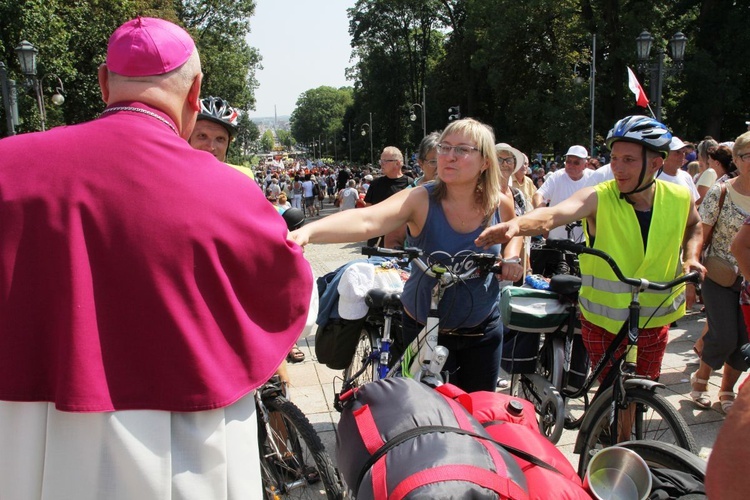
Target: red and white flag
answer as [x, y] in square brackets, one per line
[635, 87]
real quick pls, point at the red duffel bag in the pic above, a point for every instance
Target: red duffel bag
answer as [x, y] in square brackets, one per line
[398, 438]
[512, 422]
[493, 406]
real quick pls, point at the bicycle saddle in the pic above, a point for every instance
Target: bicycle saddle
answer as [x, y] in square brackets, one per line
[565, 284]
[379, 299]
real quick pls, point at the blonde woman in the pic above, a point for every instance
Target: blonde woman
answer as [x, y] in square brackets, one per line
[445, 216]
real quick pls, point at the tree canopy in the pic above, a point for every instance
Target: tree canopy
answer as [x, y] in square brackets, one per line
[525, 69]
[72, 41]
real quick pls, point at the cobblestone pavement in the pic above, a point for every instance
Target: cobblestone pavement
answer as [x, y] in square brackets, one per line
[313, 383]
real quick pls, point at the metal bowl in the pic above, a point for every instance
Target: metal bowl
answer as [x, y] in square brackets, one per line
[618, 473]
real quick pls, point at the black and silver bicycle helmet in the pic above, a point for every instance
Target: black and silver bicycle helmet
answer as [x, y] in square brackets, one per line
[649, 133]
[219, 111]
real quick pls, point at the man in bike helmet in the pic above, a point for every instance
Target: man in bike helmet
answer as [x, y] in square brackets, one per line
[215, 128]
[646, 225]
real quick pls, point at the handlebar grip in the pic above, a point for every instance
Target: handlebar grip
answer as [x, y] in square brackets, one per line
[693, 277]
[568, 245]
[377, 251]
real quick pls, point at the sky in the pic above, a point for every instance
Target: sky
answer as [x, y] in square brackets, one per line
[304, 44]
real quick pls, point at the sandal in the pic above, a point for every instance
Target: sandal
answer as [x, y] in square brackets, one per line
[726, 404]
[295, 355]
[700, 398]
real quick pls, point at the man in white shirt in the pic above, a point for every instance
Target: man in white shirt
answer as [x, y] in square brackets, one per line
[560, 185]
[672, 171]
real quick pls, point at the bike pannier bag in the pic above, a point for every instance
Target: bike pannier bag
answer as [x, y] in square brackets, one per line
[400, 439]
[520, 352]
[336, 341]
[529, 310]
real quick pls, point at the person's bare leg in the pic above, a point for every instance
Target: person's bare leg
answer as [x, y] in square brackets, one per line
[699, 386]
[728, 381]
[698, 347]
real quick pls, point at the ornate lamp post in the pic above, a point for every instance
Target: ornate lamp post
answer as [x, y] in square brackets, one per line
[27, 53]
[657, 69]
[423, 109]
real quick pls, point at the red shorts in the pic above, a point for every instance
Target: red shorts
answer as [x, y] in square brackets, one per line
[652, 343]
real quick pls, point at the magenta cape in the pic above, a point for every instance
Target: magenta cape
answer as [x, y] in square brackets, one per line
[138, 273]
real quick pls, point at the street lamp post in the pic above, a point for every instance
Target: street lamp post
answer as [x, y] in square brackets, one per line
[423, 109]
[657, 69]
[350, 141]
[592, 85]
[364, 132]
[27, 53]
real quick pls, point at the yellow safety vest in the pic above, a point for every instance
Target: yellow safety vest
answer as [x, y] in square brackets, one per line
[603, 298]
[245, 170]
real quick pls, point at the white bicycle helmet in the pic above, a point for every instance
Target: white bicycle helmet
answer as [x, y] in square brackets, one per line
[219, 111]
[642, 130]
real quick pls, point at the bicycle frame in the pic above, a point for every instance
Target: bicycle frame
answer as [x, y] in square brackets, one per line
[430, 358]
[423, 359]
[623, 370]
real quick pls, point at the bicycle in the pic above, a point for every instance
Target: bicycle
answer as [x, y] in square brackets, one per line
[423, 359]
[655, 418]
[293, 461]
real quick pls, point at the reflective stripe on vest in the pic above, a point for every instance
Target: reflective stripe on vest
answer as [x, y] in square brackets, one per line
[621, 314]
[603, 298]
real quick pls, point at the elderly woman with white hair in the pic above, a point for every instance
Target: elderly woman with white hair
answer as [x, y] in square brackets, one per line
[511, 161]
[445, 217]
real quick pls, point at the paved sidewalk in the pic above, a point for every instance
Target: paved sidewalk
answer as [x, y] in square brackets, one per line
[312, 387]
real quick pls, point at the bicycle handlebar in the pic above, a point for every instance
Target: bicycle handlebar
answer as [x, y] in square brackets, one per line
[577, 248]
[485, 261]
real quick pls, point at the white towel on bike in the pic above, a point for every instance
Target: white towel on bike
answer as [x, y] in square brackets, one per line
[131, 454]
[357, 280]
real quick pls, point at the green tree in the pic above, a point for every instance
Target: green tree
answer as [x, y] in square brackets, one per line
[245, 142]
[72, 41]
[220, 29]
[319, 113]
[267, 141]
[285, 138]
[395, 45]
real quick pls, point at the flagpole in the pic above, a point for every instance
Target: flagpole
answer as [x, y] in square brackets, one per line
[592, 83]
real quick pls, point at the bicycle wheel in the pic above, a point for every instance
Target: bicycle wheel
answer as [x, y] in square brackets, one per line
[547, 402]
[367, 343]
[660, 455]
[655, 419]
[294, 462]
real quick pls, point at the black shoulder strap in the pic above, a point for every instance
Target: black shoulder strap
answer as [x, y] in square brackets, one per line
[418, 431]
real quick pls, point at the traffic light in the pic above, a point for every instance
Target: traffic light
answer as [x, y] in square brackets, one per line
[454, 113]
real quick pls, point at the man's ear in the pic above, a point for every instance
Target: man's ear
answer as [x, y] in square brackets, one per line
[103, 74]
[656, 163]
[194, 94]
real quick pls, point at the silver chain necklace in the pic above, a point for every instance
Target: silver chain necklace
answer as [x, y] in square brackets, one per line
[142, 111]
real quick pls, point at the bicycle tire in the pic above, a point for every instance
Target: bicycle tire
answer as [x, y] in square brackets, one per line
[667, 425]
[366, 344]
[547, 403]
[306, 470]
[660, 455]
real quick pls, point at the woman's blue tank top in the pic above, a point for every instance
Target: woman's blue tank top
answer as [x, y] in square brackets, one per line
[464, 304]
